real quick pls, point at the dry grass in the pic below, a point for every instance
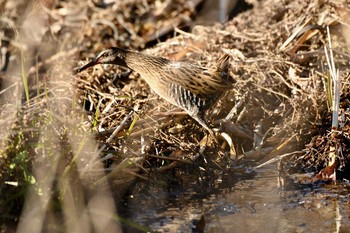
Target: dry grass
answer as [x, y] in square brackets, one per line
[72, 143]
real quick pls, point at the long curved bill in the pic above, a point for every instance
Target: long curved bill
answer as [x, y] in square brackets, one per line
[92, 63]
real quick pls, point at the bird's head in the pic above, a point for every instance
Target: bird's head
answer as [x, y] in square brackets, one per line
[114, 56]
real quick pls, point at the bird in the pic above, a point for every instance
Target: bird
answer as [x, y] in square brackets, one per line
[191, 87]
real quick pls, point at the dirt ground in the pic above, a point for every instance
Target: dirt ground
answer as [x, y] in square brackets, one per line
[91, 134]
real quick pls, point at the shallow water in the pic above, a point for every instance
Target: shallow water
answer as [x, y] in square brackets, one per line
[241, 201]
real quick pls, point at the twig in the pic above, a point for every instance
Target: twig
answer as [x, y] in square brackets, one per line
[120, 126]
[169, 158]
[8, 88]
[277, 158]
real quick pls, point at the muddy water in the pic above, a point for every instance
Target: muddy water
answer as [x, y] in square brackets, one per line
[265, 206]
[239, 201]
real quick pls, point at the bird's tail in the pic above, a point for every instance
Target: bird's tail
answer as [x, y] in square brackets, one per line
[223, 64]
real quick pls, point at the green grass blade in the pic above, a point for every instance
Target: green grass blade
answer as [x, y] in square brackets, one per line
[24, 77]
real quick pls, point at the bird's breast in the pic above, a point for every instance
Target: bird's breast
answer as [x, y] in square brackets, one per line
[156, 80]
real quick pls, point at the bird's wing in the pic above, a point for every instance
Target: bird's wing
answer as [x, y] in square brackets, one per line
[199, 80]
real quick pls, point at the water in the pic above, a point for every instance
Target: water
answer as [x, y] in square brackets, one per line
[239, 201]
[215, 11]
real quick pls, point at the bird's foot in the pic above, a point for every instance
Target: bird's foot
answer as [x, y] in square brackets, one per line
[213, 137]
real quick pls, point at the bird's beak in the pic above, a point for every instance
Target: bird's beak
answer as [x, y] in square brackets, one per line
[92, 63]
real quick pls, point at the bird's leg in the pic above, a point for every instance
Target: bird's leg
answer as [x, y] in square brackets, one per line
[205, 126]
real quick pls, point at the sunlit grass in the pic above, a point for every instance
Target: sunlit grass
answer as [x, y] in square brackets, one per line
[334, 81]
[136, 118]
[24, 77]
[95, 120]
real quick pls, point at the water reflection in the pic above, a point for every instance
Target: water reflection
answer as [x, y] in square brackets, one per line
[238, 202]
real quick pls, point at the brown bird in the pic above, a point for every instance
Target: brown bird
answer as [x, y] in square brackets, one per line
[191, 87]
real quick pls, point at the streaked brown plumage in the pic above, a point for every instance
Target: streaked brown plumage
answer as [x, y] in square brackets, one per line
[186, 85]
